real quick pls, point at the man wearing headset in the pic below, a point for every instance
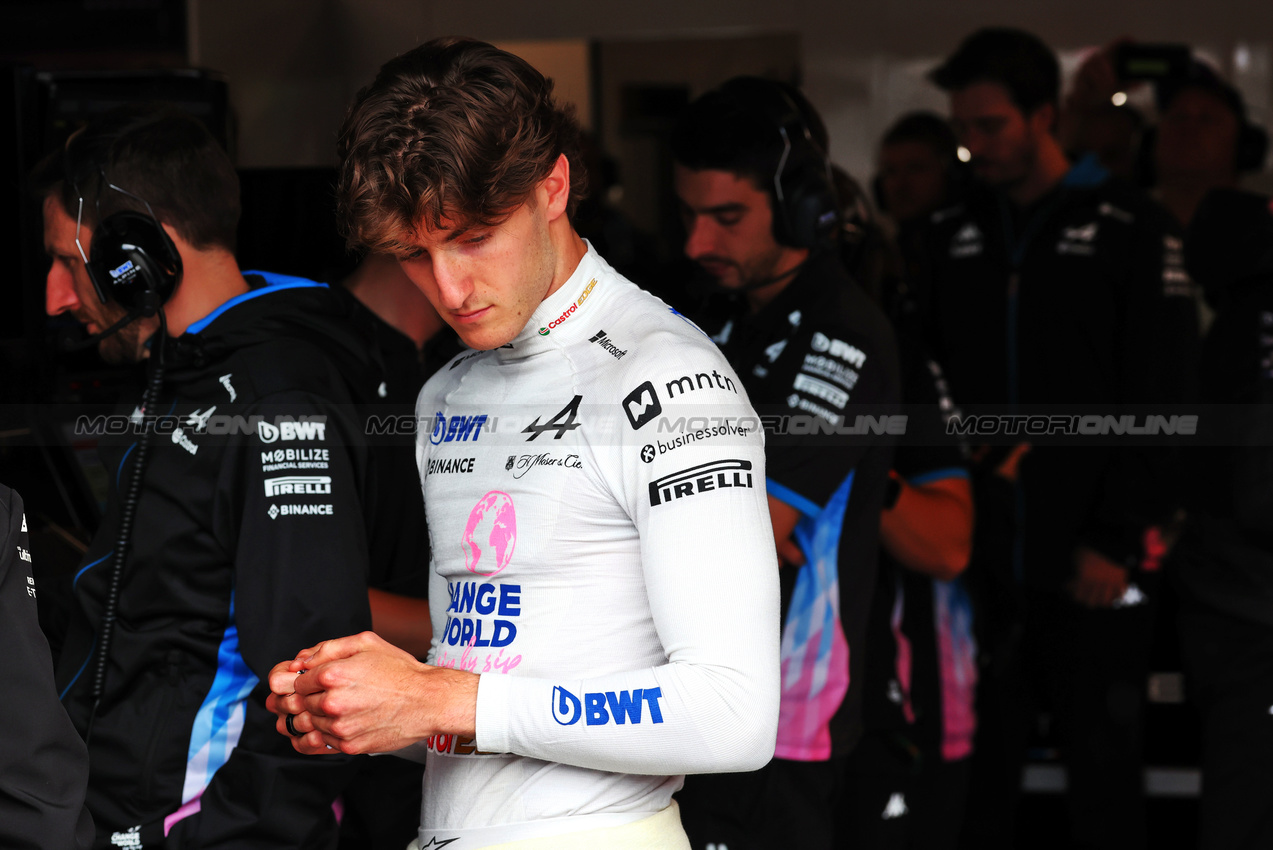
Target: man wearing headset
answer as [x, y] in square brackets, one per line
[234, 495]
[757, 197]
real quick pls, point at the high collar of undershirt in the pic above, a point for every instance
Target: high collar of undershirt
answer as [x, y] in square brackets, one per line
[562, 317]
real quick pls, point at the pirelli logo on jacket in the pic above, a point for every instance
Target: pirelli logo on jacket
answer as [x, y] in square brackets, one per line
[715, 475]
[298, 485]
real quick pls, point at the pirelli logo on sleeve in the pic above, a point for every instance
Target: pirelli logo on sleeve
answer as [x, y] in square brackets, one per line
[715, 475]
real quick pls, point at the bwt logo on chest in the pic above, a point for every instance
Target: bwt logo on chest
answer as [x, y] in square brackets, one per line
[448, 429]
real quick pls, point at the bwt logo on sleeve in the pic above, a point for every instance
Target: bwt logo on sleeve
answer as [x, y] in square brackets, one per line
[715, 475]
[313, 430]
[298, 485]
[599, 709]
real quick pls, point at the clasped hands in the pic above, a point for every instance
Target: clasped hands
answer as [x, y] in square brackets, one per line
[361, 694]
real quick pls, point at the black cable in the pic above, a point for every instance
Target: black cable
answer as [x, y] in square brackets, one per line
[128, 510]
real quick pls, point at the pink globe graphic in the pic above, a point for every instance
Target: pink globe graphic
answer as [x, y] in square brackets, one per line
[490, 535]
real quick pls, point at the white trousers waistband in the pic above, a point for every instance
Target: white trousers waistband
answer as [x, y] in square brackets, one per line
[659, 831]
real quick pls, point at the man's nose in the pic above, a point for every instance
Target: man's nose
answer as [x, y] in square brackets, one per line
[454, 280]
[700, 240]
[59, 291]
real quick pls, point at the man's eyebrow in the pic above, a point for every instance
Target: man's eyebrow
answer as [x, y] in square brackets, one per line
[719, 209]
[456, 234]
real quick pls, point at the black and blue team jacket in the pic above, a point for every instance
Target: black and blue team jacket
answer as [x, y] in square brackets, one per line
[1078, 305]
[249, 544]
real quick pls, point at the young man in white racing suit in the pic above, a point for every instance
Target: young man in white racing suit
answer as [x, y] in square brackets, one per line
[593, 474]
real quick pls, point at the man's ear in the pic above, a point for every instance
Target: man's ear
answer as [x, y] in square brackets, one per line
[555, 188]
[1043, 120]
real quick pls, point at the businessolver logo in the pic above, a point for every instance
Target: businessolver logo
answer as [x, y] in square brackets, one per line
[642, 405]
[714, 475]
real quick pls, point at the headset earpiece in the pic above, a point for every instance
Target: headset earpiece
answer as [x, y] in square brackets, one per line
[806, 211]
[809, 208]
[133, 262]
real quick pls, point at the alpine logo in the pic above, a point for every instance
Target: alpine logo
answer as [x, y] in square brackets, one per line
[642, 405]
[715, 475]
[462, 428]
[602, 340]
[291, 431]
[1086, 233]
[968, 242]
[298, 485]
[1078, 240]
[199, 419]
[895, 808]
[603, 708]
[562, 421]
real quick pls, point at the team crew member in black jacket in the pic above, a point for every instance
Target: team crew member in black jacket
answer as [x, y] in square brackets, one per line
[44, 766]
[1223, 564]
[247, 539]
[908, 778]
[813, 351]
[1058, 286]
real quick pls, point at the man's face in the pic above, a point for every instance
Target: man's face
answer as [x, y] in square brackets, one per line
[68, 289]
[485, 282]
[728, 225]
[1003, 141]
[1198, 137]
[912, 179]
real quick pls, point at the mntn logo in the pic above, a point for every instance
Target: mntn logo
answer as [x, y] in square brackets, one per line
[715, 475]
[642, 405]
[598, 709]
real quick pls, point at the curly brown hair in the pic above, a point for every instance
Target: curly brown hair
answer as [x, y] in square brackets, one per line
[453, 132]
